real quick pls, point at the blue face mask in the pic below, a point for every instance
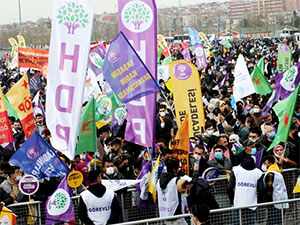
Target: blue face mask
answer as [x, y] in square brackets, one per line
[272, 134]
[253, 151]
[218, 155]
[237, 124]
[298, 114]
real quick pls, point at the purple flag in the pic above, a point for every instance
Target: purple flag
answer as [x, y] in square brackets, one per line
[59, 205]
[96, 59]
[126, 73]
[186, 54]
[142, 33]
[221, 84]
[200, 56]
[287, 82]
[273, 99]
[258, 156]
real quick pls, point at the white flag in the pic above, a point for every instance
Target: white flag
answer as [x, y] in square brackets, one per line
[242, 85]
[68, 57]
[163, 73]
[91, 87]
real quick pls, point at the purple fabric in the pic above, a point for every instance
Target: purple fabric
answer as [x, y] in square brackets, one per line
[56, 202]
[141, 114]
[258, 156]
[186, 54]
[97, 55]
[200, 56]
[272, 100]
[221, 84]
[82, 167]
[287, 82]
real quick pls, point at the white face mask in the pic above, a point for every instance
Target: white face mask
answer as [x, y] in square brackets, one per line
[264, 167]
[18, 178]
[162, 114]
[256, 110]
[210, 132]
[193, 145]
[197, 157]
[110, 171]
[184, 195]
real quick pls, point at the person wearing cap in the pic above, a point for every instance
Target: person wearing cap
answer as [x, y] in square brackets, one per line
[246, 187]
[219, 161]
[283, 162]
[275, 189]
[98, 205]
[249, 149]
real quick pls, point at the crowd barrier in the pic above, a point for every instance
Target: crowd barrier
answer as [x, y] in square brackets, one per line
[131, 212]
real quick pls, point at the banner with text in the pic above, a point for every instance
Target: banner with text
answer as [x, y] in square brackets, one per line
[68, 58]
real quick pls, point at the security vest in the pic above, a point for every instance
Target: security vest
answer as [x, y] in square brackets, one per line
[167, 198]
[279, 189]
[98, 209]
[246, 186]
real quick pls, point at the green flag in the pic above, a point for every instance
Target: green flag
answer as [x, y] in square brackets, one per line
[10, 110]
[227, 44]
[87, 129]
[158, 55]
[284, 110]
[258, 79]
[166, 60]
[284, 59]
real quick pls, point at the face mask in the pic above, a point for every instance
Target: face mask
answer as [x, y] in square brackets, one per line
[110, 171]
[256, 110]
[162, 114]
[253, 151]
[193, 145]
[298, 114]
[253, 140]
[198, 142]
[272, 134]
[218, 155]
[18, 178]
[186, 194]
[264, 167]
[210, 132]
[197, 157]
[237, 124]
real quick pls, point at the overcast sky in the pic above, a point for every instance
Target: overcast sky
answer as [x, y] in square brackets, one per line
[35, 9]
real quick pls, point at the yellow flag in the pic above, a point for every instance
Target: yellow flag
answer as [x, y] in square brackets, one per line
[204, 39]
[7, 216]
[169, 86]
[297, 186]
[181, 149]
[21, 41]
[32, 214]
[187, 95]
[153, 178]
[228, 172]
[20, 99]
[14, 46]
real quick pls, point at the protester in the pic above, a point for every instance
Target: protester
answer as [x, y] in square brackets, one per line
[200, 214]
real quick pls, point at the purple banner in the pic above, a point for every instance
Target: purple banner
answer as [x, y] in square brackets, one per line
[142, 34]
[200, 56]
[186, 54]
[126, 73]
[287, 82]
[96, 59]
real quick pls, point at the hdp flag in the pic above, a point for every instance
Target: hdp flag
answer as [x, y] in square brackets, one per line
[186, 88]
[20, 99]
[259, 81]
[7, 217]
[143, 185]
[96, 58]
[36, 157]
[284, 59]
[287, 82]
[126, 73]
[153, 178]
[5, 128]
[284, 110]
[297, 186]
[181, 149]
[186, 54]
[200, 56]
[59, 206]
[87, 130]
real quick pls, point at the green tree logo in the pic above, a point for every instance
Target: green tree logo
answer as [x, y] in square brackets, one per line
[61, 200]
[137, 16]
[72, 16]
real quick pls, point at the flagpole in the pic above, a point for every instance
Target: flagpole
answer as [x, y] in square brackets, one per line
[20, 20]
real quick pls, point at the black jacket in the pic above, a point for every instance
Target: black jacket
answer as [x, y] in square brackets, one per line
[200, 194]
[98, 190]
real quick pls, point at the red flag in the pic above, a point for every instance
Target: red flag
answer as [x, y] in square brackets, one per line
[184, 45]
[165, 52]
[5, 128]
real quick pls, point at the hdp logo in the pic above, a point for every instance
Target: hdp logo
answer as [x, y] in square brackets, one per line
[72, 16]
[59, 202]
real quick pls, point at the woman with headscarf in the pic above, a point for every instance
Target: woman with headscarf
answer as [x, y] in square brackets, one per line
[82, 167]
[283, 162]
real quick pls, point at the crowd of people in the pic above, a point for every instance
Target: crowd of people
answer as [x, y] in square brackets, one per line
[233, 134]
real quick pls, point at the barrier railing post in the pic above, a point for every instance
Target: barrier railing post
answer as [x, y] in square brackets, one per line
[123, 209]
[282, 214]
[40, 213]
[240, 216]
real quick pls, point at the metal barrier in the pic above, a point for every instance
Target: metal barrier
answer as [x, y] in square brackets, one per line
[265, 213]
[129, 202]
